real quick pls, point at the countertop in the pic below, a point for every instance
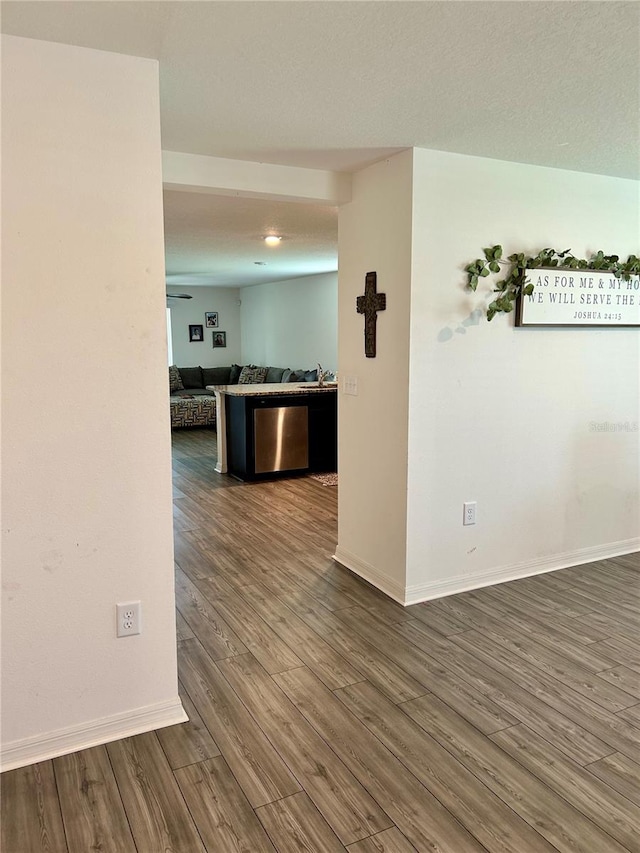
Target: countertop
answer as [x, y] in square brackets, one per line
[274, 389]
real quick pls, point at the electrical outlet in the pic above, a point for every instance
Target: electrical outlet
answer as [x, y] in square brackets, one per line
[350, 385]
[469, 512]
[128, 619]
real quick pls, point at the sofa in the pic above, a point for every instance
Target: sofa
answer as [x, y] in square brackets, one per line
[191, 405]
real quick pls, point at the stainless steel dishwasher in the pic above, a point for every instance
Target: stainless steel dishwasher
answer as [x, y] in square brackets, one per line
[281, 438]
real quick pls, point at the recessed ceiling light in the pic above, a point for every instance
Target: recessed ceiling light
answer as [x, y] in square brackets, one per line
[272, 240]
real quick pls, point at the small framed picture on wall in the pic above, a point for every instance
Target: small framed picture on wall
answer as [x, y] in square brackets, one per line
[211, 319]
[196, 333]
[219, 339]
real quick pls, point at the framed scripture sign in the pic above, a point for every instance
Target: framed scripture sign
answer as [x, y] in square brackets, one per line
[579, 298]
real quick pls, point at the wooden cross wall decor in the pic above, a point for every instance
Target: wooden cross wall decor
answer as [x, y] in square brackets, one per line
[369, 305]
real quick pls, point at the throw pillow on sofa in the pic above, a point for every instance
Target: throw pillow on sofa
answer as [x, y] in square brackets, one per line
[274, 374]
[191, 377]
[296, 376]
[235, 374]
[251, 374]
[175, 380]
[216, 376]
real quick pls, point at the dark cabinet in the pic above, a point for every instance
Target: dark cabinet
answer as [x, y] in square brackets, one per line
[281, 434]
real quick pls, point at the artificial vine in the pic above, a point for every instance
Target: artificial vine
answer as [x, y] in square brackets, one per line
[515, 281]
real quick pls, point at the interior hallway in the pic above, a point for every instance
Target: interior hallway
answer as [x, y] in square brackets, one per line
[324, 716]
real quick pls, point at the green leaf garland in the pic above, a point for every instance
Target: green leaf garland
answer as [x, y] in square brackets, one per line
[515, 271]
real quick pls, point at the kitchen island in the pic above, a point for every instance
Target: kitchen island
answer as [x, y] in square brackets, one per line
[276, 429]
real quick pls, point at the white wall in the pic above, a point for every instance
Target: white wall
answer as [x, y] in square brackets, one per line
[291, 323]
[86, 443]
[374, 233]
[502, 415]
[224, 300]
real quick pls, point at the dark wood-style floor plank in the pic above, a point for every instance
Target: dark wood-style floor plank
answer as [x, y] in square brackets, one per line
[624, 678]
[632, 715]
[592, 797]
[180, 520]
[31, 818]
[615, 591]
[261, 640]
[389, 841]
[380, 670]
[621, 650]
[540, 623]
[92, 810]
[475, 706]
[628, 563]
[608, 727]
[428, 656]
[364, 595]
[183, 631]
[260, 771]
[318, 655]
[187, 743]
[620, 773]
[562, 825]
[295, 825]
[216, 636]
[561, 601]
[221, 811]
[579, 677]
[542, 640]
[436, 618]
[389, 640]
[608, 625]
[187, 557]
[348, 809]
[157, 813]
[307, 582]
[413, 809]
[545, 608]
[619, 612]
[484, 814]
[550, 580]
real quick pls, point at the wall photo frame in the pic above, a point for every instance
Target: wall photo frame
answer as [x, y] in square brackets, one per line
[219, 339]
[211, 319]
[196, 334]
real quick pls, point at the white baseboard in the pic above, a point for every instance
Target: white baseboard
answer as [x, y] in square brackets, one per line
[51, 744]
[463, 583]
[364, 570]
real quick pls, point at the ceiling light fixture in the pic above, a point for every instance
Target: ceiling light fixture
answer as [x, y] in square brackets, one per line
[260, 263]
[272, 240]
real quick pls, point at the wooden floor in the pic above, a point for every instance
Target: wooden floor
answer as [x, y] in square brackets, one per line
[324, 716]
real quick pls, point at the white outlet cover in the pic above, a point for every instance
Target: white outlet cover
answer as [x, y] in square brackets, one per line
[470, 509]
[350, 385]
[128, 619]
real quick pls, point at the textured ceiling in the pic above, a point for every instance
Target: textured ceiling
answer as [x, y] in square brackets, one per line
[337, 85]
[215, 240]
